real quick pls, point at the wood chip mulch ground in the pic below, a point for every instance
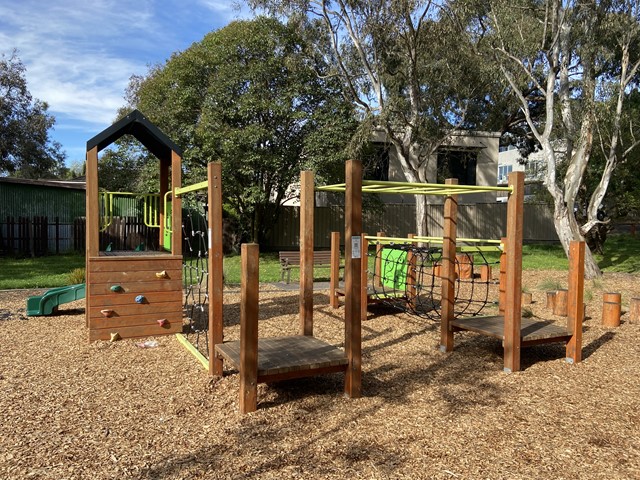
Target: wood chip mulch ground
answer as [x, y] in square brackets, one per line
[74, 410]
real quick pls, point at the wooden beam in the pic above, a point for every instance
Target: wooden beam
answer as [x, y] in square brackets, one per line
[513, 300]
[92, 225]
[448, 269]
[176, 205]
[92, 208]
[335, 269]
[249, 328]
[307, 195]
[575, 309]
[353, 279]
[378, 262]
[411, 274]
[164, 188]
[216, 281]
[364, 294]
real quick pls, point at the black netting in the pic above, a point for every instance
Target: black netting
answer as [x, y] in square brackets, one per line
[196, 271]
[408, 278]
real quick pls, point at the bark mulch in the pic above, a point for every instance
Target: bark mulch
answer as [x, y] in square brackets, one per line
[70, 409]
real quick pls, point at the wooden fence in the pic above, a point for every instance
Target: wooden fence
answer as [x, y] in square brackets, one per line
[481, 220]
[34, 236]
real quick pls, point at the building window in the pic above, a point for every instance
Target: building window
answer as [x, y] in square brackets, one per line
[503, 172]
[376, 162]
[460, 164]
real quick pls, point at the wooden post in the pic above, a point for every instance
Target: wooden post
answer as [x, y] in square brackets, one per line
[551, 299]
[464, 266]
[164, 188]
[634, 310]
[216, 281]
[411, 278]
[364, 300]
[611, 309]
[575, 310]
[353, 279]
[561, 301]
[448, 269]
[307, 195]
[335, 269]
[485, 273]
[513, 302]
[502, 277]
[527, 298]
[378, 262]
[92, 225]
[249, 310]
[176, 205]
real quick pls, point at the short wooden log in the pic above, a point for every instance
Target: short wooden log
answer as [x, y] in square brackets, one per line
[551, 299]
[560, 305]
[527, 298]
[485, 273]
[634, 310]
[464, 266]
[611, 309]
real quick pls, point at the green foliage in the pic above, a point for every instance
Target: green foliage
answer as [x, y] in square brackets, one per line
[247, 96]
[76, 276]
[26, 150]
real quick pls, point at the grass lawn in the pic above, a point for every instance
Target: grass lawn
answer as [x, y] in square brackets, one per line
[39, 272]
[621, 254]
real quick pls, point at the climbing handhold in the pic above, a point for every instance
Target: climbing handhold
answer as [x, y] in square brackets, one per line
[116, 288]
[115, 336]
[162, 274]
[140, 299]
[162, 322]
[107, 313]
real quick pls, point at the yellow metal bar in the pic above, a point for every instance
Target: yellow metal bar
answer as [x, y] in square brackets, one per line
[191, 188]
[193, 350]
[370, 186]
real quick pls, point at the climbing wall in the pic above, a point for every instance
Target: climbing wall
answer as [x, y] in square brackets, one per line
[134, 296]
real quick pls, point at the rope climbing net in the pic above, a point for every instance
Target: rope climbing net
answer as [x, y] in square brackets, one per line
[195, 270]
[407, 277]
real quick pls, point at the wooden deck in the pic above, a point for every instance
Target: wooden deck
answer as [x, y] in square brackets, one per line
[281, 358]
[532, 332]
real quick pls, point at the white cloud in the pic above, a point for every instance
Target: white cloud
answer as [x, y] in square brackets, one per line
[80, 54]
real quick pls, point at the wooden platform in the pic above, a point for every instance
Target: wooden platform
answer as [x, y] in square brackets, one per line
[281, 358]
[532, 332]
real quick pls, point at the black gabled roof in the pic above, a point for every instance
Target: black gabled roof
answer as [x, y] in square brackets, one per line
[136, 124]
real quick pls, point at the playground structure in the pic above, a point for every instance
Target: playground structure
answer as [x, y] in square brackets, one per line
[405, 274]
[134, 293]
[514, 331]
[265, 360]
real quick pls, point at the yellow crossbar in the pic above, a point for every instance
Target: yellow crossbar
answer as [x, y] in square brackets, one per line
[191, 188]
[193, 350]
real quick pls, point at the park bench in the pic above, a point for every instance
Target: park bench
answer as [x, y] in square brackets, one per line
[291, 259]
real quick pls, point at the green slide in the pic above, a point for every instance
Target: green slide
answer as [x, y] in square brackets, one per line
[48, 303]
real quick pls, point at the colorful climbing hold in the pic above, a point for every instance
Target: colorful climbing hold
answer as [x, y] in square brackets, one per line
[140, 299]
[117, 288]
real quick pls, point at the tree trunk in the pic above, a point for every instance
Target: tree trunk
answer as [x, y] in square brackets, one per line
[568, 230]
[422, 229]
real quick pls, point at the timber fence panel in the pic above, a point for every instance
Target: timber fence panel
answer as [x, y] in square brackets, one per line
[481, 220]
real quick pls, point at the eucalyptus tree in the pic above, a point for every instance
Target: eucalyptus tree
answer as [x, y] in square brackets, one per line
[403, 65]
[26, 149]
[247, 96]
[574, 59]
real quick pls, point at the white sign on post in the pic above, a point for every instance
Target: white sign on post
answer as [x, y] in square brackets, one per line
[355, 247]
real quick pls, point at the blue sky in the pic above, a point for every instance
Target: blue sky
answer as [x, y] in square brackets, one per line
[79, 55]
